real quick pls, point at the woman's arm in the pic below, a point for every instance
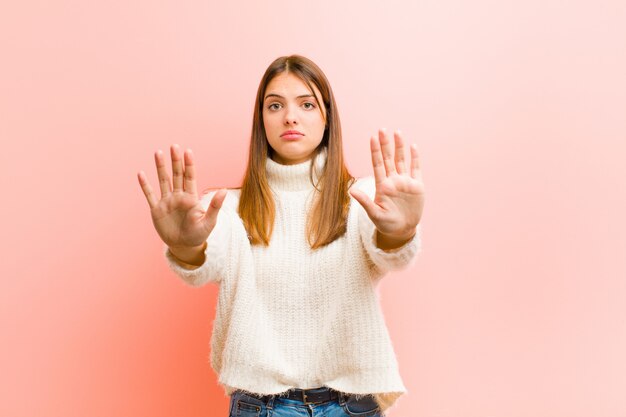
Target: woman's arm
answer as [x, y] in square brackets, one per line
[207, 262]
[398, 201]
[386, 257]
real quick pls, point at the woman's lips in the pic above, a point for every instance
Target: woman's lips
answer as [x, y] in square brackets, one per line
[292, 136]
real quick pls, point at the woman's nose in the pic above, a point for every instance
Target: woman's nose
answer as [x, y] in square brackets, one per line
[290, 115]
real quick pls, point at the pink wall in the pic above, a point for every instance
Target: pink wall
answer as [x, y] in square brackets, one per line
[516, 307]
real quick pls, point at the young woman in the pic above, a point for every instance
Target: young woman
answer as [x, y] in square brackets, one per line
[297, 252]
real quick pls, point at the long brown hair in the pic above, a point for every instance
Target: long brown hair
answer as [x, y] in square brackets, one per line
[328, 217]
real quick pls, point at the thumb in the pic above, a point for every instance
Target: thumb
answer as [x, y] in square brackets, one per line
[214, 207]
[370, 207]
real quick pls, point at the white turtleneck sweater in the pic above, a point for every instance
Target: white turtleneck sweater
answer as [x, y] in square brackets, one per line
[291, 317]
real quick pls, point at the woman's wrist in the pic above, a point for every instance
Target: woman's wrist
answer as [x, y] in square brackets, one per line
[391, 242]
[189, 255]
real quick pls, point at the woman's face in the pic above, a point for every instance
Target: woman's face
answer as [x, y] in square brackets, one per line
[294, 124]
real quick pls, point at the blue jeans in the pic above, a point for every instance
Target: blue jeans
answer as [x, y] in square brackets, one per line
[243, 405]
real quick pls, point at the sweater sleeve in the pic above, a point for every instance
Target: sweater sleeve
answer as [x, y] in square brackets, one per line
[213, 268]
[385, 260]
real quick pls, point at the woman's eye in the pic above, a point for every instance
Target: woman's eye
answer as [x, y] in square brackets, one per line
[273, 106]
[308, 105]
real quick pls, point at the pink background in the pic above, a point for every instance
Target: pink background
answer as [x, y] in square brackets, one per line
[516, 307]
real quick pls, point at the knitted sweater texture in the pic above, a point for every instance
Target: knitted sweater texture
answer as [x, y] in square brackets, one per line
[291, 317]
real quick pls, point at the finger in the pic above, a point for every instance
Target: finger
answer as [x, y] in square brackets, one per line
[164, 179]
[370, 207]
[189, 183]
[415, 163]
[177, 168]
[214, 207]
[387, 150]
[400, 162]
[147, 190]
[377, 160]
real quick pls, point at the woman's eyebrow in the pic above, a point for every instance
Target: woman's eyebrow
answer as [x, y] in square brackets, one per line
[279, 96]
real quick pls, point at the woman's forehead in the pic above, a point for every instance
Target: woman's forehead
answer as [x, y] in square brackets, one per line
[288, 85]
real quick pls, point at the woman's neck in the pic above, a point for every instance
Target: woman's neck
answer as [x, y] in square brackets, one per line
[295, 177]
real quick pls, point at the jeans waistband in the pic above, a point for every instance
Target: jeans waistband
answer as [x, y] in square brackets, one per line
[305, 396]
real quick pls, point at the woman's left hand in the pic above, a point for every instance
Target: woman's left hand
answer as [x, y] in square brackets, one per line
[399, 200]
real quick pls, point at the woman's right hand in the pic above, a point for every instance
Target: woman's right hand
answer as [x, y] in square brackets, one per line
[178, 216]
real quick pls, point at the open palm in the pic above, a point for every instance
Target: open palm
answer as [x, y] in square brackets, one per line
[178, 216]
[399, 200]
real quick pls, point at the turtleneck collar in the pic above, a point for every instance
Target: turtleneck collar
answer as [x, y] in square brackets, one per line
[294, 177]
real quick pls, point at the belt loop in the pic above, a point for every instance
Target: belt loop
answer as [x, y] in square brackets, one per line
[270, 403]
[342, 398]
[304, 397]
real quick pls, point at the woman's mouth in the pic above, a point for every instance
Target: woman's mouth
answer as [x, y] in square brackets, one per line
[291, 135]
